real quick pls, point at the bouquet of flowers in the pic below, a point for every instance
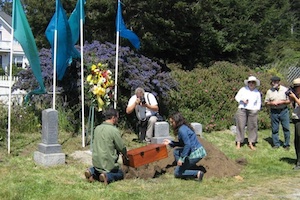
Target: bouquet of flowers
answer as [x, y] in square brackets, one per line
[100, 85]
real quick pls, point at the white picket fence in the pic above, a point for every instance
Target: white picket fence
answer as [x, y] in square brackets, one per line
[17, 95]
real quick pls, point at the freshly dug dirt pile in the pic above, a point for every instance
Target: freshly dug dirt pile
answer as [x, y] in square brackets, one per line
[215, 164]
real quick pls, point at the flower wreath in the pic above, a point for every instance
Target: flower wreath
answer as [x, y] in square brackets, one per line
[100, 84]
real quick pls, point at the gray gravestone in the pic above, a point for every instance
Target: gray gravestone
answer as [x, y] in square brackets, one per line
[198, 128]
[49, 151]
[233, 129]
[161, 132]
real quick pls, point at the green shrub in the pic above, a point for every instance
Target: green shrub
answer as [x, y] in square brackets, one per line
[2, 72]
[15, 70]
[207, 95]
[3, 123]
[67, 119]
[23, 120]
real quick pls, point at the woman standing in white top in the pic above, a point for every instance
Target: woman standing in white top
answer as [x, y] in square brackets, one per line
[249, 99]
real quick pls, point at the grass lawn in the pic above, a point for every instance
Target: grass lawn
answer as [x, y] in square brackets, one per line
[268, 174]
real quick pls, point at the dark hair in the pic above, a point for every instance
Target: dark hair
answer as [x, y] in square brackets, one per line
[109, 113]
[179, 121]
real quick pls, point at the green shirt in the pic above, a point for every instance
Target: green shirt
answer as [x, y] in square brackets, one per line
[107, 144]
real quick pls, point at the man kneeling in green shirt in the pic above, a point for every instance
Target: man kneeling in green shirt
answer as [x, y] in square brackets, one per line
[107, 145]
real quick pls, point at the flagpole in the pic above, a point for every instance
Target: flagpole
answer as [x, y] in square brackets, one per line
[82, 74]
[10, 78]
[116, 70]
[9, 94]
[117, 57]
[54, 59]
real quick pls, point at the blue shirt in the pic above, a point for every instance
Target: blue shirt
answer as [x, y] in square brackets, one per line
[187, 139]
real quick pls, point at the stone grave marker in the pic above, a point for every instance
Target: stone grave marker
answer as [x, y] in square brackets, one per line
[198, 128]
[161, 132]
[49, 151]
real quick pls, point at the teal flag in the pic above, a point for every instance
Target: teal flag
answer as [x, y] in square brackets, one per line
[74, 20]
[23, 34]
[65, 49]
[124, 32]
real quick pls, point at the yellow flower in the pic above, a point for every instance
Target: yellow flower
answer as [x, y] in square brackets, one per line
[100, 83]
[100, 103]
[89, 78]
[93, 67]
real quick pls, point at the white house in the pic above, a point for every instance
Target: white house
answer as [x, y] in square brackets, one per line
[19, 58]
[5, 44]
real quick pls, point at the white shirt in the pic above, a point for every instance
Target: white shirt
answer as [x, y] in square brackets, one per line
[253, 97]
[141, 111]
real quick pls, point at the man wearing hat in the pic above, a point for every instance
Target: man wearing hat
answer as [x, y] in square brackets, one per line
[294, 94]
[277, 100]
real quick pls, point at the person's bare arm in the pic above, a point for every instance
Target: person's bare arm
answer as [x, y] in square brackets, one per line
[130, 108]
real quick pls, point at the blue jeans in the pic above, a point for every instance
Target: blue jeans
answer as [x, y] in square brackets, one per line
[184, 171]
[114, 175]
[277, 116]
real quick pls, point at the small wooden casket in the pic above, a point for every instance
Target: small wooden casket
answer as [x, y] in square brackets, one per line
[147, 154]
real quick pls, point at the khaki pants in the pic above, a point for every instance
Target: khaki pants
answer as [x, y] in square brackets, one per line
[246, 117]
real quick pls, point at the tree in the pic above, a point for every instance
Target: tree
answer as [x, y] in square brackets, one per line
[185, 31]
[5, 6]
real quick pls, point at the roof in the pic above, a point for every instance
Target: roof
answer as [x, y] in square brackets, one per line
[6, 17]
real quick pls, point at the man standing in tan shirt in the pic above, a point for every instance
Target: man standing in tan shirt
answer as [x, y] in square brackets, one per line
[278, 102]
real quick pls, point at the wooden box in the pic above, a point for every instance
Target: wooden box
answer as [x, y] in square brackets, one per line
[147, 154]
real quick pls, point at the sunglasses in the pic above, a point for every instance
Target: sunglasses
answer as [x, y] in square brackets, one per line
[251, 82]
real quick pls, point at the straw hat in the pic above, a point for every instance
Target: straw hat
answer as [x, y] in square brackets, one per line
[252, 78]
[296, 82]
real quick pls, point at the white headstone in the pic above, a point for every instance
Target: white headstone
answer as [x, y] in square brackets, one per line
[198, 128]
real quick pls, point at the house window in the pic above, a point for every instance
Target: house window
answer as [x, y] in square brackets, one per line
[19, 61]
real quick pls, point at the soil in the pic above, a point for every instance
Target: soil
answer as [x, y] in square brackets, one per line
[215, 164]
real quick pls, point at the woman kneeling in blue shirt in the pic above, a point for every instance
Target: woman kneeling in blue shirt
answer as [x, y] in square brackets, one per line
[188, 149]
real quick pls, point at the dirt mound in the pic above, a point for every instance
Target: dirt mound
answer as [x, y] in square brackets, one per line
[215, 164]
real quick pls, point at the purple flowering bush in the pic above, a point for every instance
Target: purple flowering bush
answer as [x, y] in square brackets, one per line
[134, 70]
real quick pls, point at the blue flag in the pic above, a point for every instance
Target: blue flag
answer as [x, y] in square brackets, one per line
[65, 49]
[74, 20]
[124, 32]
[23, 34]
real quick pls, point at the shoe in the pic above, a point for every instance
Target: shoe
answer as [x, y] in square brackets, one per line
[88, 175]
[275, 147]
[287, 148]
[297, 167]
[200, 176]
[103, 178]
[145, 142]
